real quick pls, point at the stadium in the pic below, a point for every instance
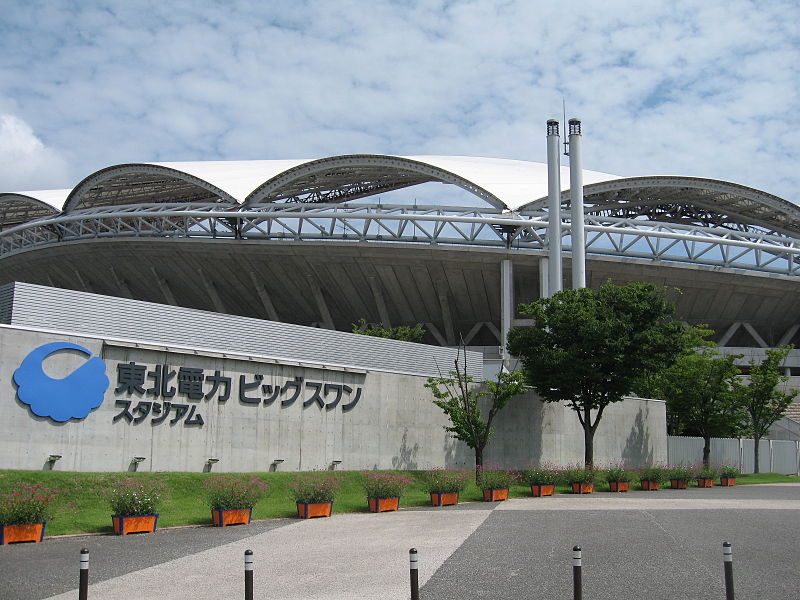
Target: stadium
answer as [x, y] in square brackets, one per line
[453, 242]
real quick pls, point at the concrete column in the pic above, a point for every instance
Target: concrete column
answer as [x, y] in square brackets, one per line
[576, 206]
[553, 208]
[543, 267]
[506, 304]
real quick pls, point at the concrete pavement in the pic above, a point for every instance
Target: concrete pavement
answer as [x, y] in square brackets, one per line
[663, 544]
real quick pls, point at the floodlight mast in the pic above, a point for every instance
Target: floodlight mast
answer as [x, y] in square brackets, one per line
[576, 206]
[554, 276]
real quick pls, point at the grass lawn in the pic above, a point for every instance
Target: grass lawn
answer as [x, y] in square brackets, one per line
[82, 504]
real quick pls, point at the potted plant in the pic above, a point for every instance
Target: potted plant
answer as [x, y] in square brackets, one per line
[314, 493]
[705, 476]
[232, 498]
[444, 485]
[383, 490]
[24, 512]
[494, 483]
[727, 475]
[581, 479]
[679, 477]
[618, 478]
[542, 480]
[652, 477]
[133, 504]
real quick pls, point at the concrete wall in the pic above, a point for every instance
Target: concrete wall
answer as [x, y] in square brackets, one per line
[394, 425]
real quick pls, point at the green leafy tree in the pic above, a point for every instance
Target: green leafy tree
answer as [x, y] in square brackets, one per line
[589, 347]
[762, 399]
[459, 397]
[702, 398]
[403, 333]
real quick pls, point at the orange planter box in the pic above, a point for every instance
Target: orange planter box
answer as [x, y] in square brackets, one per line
[125, 524]
[703, 482]
[383, 504]
[309, 510]
[619, 486]
[444, 498]
[543, 489]
[651, 486]
[29, 532]
[582, 488]
[727, 481]
[678, 484]
[231, 516]
[495, 494]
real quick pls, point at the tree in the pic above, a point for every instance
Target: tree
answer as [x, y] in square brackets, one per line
[762, 399]
[403, 333]
[702, 399]
[458, 396]
[589, 347]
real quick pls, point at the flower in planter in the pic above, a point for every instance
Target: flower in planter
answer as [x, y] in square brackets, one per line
[314, 487]
[494, 479]
[728, 471]
[225, 492]
[703, 472]
[133, 496]
[618, 473]
[655, 473]
[384, 485]
[26, 505]
[680, 473]
[444, 481]
[543, 475]
[581, 475]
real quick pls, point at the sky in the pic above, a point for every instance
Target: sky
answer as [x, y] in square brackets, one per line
[705, 89]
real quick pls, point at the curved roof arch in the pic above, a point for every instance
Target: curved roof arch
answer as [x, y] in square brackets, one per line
[348, 177]
[687, 200]
[140, 183]
[19, 208]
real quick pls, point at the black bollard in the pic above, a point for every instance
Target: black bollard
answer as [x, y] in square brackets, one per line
[577, 577]
[412, 558]
[248, 575]
[727, 558]
[83, 581]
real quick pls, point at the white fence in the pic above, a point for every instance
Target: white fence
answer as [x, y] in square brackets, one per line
[775, 456]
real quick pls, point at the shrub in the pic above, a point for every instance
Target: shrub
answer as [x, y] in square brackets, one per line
[541, 476]
[497, 479]
[703, 472]
[314, 487]
[654, 473]
[384, 485]
[581, 475]
[130, 496]
[442, 481]
[680, 472]
[228, 491]
[26, 504]
[728, 471]
[618, 473]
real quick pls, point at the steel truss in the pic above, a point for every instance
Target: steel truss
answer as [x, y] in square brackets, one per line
[432, 225]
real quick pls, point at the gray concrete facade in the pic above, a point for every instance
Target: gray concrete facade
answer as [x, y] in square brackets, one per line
[177, 407]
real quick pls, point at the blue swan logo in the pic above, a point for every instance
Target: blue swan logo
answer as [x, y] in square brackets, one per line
[72, 397]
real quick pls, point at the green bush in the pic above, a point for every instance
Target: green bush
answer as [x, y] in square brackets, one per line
[618, 474]
[384, 485]
[443, 481]
[581, 475]
[497, 479]
[654, 473]
[703, 472]
[229, 491]
[540, 476]
[131, 496]
[314, 487]
[728, 471]
[680, 472]
[26, 504]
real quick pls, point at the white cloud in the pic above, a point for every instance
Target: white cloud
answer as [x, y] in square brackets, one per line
[706, 89]
[24, 159]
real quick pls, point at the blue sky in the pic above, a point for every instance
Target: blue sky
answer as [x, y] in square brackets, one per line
[707, 89]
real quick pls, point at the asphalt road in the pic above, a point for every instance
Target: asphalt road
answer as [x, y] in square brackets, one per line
[665, 544]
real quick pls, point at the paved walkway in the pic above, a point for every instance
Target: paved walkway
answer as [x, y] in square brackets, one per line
[662, 544]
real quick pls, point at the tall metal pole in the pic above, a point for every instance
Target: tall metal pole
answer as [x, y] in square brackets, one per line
[506, 305]
[553, 208]
[576, 206]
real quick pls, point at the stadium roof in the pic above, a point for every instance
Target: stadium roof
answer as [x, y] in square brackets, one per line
[509, 185]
